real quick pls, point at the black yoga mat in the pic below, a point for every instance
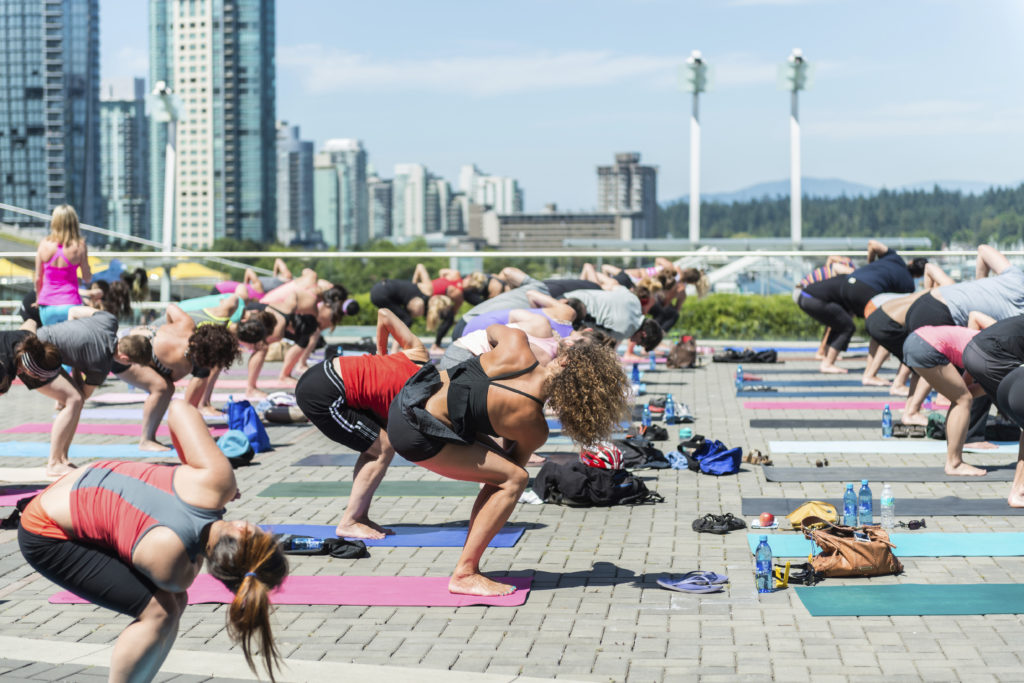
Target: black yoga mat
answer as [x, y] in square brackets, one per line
[815, 424]
[911, 474]
[948, 506]
[342, 460]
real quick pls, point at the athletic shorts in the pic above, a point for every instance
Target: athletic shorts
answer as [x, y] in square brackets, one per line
[416, 434]
[917, 353]
[622, 277]
[887, 332]
[92, 573]
[320, 394]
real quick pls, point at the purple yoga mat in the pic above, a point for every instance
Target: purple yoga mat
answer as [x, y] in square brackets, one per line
[98, 428]
[825, 405]
[9, 495]
[390, 591]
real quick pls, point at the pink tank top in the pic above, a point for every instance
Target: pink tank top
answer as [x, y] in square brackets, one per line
[60, 283]
[949, 340]
[229, 287]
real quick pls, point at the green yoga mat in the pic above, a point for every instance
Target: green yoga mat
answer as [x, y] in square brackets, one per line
[973, 544]
[912, 599]
[341, 489]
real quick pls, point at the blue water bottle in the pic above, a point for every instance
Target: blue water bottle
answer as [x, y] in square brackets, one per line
[864, 503]
[886, 422]
[763, 566]
[305, 543]
[653, 364]
[850, 506]
[739, 378]
[645, 416]
[670, 410]
[635, 377]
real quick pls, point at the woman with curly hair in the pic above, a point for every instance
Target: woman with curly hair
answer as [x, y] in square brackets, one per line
[446, 422]
[132, 537]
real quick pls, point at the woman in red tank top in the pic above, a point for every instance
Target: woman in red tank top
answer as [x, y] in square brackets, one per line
[132, 537]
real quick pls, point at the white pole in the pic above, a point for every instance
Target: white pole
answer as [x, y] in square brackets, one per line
[695, 172]
[168, 229]
[795, 196]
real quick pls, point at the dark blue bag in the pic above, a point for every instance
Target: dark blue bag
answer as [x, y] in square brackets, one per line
[242, 416]
[714, 457]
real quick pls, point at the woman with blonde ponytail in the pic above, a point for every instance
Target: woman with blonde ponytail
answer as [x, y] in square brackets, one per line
[132, 537]
[58, 259]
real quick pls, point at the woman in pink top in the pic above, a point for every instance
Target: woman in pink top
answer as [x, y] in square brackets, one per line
[58, 259]
[936, 354]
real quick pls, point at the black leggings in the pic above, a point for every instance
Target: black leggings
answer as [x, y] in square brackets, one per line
[91, 573]
[833, 316]
[1010, 396]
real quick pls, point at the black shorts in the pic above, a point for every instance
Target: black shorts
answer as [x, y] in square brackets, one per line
[887, 332]
[622, 277]
[320, 395]
[91, 573]
[414, 433]
[927, 310]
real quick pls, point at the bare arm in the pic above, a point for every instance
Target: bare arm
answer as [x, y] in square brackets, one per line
[281, 271]
[86, 270]
[175, 314]
[876, 249]
[990, 259]
[79, 312]
[539, 299]
[389, 325]
[197, 449]
[976, 320]
[194, 390]
[249, 278]
[935, 276]
[512, 275]
[664, 263]
[420, 275]
[449, 274]
[39, 271]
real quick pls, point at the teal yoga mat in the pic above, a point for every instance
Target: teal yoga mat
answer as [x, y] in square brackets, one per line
[972, 544]
[912, 599]
[341, 489]
[107, 451]
[888, 446]
[946, 506]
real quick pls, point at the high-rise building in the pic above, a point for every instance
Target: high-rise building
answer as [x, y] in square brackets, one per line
[124, 156]
[629, 188]
[409, 201]
[348, 159]
[378, 190]
[218, 58]
[50, 106]
[325, 201]
[294, 185]
[499, 193]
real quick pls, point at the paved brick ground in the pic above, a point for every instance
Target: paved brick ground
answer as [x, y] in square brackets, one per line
[595, 612]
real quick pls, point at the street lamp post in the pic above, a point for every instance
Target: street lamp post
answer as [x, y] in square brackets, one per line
[696, 82]
[796, 72]
[164, 108]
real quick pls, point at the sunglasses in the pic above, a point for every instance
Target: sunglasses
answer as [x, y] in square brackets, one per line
[913, 525]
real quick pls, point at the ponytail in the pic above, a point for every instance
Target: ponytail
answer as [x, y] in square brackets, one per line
[440, 306]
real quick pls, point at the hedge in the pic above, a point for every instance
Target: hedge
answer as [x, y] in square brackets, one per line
[747, 316]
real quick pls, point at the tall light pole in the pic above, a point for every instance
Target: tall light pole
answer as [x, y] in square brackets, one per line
[696, 82]
[163, 106]
[796, 73]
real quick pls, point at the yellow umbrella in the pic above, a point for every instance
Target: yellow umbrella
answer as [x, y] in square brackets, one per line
[190, 271]
[10, 269]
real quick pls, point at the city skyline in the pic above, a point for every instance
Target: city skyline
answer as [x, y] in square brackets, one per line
[907, 93]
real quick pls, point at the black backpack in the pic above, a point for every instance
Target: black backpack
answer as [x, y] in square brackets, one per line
[639, 453]
[578, 485]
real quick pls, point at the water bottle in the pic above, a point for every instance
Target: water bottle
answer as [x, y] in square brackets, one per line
[653, 364]
[888, 508]
[739, 378]
[670, 410]
[763, 567]
[645, 417]
[635, 377]
[305, 543]
[886, 422]
[850, 506]
[864, 503]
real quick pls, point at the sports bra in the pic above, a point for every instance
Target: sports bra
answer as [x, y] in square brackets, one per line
[467, 396]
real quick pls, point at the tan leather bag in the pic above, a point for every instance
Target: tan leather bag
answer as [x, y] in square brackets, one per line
[843, 554]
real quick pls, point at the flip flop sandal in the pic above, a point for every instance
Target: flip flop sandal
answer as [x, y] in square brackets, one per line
[691, 584]
[710, 524]
[731, 523]
[713, 577]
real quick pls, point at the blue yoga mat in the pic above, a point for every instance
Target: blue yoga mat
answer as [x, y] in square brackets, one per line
[406, 536]
[971, 544]
[107, 451]
[802, 349]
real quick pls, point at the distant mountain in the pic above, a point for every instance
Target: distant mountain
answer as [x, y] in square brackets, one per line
[833, 187]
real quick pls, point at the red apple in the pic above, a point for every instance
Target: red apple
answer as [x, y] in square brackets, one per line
[767, 519]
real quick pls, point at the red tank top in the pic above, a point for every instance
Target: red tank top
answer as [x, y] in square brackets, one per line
[372, 382]
[441, 285]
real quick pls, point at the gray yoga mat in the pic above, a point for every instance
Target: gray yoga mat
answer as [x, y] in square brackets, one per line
[854, 474]
[342, 460]
[948, 506]
[815, 424]
[806, 382]
[756, 370]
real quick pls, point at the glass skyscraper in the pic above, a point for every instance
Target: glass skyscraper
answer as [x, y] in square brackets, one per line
[294, 186]
[49, 107]
[124, 157]
[218, 58]
[340, 194]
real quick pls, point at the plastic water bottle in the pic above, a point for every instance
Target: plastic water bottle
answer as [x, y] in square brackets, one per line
[653, 364]
[670, 409]
[635, 377]
[305, 543]
[763, 566]
[645, 417]
[739, 378]
[864, 503]
[886, 422]
[850, 506]
[888, 508]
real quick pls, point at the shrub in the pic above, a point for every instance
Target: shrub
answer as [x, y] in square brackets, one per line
[748, 316]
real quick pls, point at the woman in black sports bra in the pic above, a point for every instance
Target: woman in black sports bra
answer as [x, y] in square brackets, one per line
[448, 422]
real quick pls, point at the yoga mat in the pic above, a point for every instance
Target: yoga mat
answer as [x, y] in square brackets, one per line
[809, 383]
[341, 489]
[912, 599]
[800, 371]
[877, 391]
[823, 404]
[99, 428]
[107, 451]
[815, 424]
[9, 495]
[888, 446]
[972, 544]
[24, 475]
[128, 397]
[342, 460]
[134, 414]
[854, 474]
[947, 506]
[264, 383]
[388, 591]
[406, 536]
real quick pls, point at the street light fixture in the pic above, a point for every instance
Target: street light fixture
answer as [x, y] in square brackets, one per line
[696, 77]
[796, 76]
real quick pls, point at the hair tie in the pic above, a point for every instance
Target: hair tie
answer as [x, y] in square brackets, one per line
[252, 574]
[34, 368]
[345, 304]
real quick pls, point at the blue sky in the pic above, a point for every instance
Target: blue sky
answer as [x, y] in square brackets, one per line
[545, 90]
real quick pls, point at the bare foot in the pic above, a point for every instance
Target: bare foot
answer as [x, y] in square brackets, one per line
[376, 527]
[357, 530]
[536, 460]
[152, 446]
[874, 382]
[58, 469]
[255, 395]
[1016, 500]
[832, 369]
[914, 419]
[900, 390]
[478, 584]
[965, 470]
[819, 356]
[210, 411]
[287, 380]
[981, 446]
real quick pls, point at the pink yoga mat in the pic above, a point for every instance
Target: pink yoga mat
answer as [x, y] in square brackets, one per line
[389, 591]
[826, 405]
[99, 428]
[9, 496]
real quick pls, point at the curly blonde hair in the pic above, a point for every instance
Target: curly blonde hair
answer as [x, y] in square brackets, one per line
[590, 394]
